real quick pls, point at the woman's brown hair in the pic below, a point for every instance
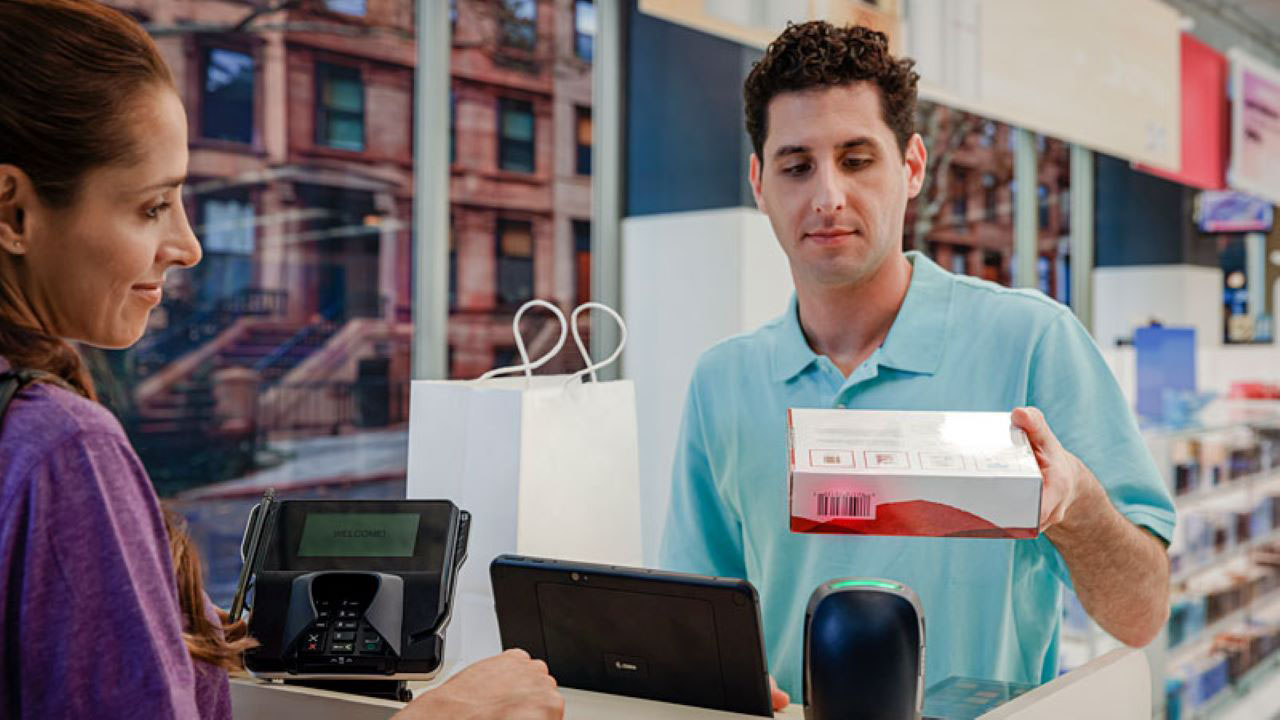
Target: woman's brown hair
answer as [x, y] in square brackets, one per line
[221, 644]
[69, 71]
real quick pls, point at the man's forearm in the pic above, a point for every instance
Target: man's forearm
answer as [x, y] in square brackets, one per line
[1120, 571]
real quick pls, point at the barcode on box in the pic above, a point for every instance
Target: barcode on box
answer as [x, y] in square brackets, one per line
[859, 506]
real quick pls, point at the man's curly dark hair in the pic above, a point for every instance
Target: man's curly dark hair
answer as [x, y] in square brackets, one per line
[818, 54]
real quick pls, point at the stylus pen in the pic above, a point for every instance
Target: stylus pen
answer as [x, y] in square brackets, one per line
[257, 524]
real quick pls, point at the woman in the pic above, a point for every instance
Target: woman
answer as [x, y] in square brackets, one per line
[93, 153]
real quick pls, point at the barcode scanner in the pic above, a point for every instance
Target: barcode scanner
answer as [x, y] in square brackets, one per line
[863, 651]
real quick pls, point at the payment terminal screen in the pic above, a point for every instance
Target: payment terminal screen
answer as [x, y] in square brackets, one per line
[359, 535]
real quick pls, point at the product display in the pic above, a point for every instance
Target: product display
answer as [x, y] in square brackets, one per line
[1229, 500]
[1224, 620]
[950, 474]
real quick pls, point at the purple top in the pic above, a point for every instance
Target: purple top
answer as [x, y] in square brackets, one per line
[92, 625]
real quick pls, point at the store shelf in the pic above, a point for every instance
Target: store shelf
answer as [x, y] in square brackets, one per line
[1230, 423]
[1223, 415]
[1221, 559]
[1200, 642]
[1225, 495]
[1236, 692]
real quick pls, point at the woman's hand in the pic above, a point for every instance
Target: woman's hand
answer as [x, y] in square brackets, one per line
[510, 686]
[780, 699]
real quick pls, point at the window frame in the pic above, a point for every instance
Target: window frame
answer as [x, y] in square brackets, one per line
[197, 52]
[322, 113]
[576, 228]
[501, 261]
[582, 153]
[241, 195]
[579, 37]
[325, 4]
[504, 103]
[512, 28]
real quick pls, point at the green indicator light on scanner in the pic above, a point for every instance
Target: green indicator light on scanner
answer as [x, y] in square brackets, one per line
[865, 583]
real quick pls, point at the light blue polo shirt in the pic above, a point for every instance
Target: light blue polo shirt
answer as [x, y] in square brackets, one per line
[992, 607]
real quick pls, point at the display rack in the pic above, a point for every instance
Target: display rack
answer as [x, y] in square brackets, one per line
[1223, 640]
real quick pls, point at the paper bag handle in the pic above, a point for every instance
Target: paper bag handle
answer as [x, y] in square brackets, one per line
[525, 365]
[591, 367]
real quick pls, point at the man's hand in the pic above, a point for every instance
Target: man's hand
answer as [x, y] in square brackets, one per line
[1067, 482]
[1120, 571]
[509, 686]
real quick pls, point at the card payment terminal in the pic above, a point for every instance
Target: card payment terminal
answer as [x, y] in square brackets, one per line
[352, 589]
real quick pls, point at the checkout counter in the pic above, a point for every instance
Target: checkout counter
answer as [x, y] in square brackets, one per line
[1116, 685]
[360, 591]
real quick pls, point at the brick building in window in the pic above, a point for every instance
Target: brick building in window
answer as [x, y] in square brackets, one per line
[520, 192]
[301, 149]
[300, 188]
[963, 218]
[301, 170]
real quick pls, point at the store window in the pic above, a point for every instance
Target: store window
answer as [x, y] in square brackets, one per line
[582, 260]
[970, 166]
[510, 96]
[519, 23]
[515, 135]
[339, 107]
[305, 257]
[584, 29]
[514, 262]
[583, 140]
[226, 96]
[967, 169]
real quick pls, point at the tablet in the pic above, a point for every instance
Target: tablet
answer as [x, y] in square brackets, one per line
[674, 637]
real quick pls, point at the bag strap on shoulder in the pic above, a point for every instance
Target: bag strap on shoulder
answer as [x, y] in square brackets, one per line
[11, 381]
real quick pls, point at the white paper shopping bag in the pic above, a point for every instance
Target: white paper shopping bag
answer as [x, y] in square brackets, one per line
[547, 466]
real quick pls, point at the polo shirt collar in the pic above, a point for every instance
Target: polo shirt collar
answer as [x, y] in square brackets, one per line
[915, 341]
[919, 333]
[791, 352]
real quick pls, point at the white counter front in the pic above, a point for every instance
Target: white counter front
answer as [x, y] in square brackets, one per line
[1116, 686]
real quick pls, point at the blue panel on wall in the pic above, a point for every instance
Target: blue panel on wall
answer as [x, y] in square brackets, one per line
[686, 148]
[1166, 361]
[1144, 220]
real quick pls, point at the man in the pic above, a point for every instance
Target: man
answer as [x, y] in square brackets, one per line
[830, 114]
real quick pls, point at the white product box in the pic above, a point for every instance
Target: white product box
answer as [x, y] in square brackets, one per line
[938, 474]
